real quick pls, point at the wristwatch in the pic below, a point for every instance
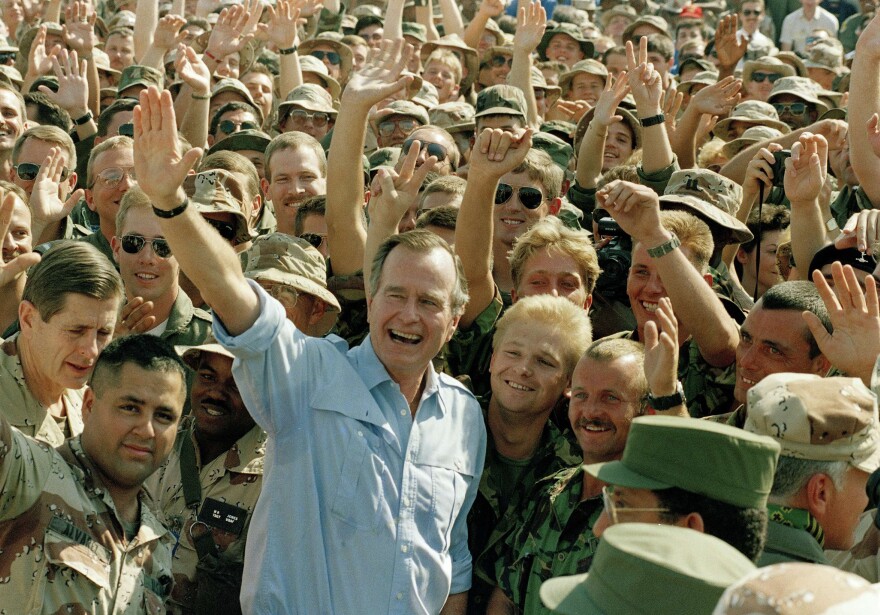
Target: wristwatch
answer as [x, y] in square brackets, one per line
[668, 401]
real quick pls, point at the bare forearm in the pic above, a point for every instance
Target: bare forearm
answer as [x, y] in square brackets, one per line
[394, 20]
[474, 31]
[94, 87]
[520, 76]
[452, 20]
[425, 16]
[473, 242]
[862, 105]
[807, 235]
[456, 604]
[736, 168]
[291, 74]
[146, 20]
[684, 141]
[194, 126]
[154, 57]
[590, 156]
[656, 150]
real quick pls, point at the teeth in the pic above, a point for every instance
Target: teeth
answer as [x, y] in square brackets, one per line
[211, 412]
[511, 222]
[650, 307]
[518, 387]
[747, 381]
[146, 276]
[409, 338]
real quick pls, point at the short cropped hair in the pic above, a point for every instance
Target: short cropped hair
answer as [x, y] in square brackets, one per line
[540, 168]
[235, 105]
[294, 140]
[772, 218]
[421, 242]
[694, 235]
[312, 206]
[798, 296]
[444, 216]
[446, 184]
[70, 267]
[448, 59]
[49, 134]
[610, 349]
[552, 234]
[107, 115]
[148, 352]
[47, 112]
[792, 475]
[134, 198]
[117, 142]
[557, 312]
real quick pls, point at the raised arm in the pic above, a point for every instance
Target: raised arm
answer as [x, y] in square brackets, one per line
[531, 23]
[452, 20]
[495, 154]
[73, 91]
[474, 30]
[210, 263]
[715, 100]
[393, 27]
[590, 154]
[79, 35]
[805, 175]
[283, 33]
[637, 209]
[164, 40]
[380, 77]
[195, 74]
[647, 89]
[661, 357]
[729, 47]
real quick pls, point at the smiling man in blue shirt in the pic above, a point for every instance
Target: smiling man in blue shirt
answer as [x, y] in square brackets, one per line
[374, 458]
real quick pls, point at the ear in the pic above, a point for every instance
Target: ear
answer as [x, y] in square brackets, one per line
[821, 365]
[741, 256]
[88, 403]
[555, 206]
[319, 308]
[256, 206]
[115, 245]
[264, 185]
[817, 493]
[693, 521]
[71, 180]
[588, 303]
[27, 315]
[89, 202]
[210, 140]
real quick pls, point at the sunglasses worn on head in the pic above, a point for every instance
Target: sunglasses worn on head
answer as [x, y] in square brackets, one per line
[331, 56]
[300, 117]
[531, 198]
[406, 124]
[434, 149]
[27, 171]
[226, 230]
[314, 239]
[795, 108]
[759, 77]
[113, 175]
[133, 244]
[126, 130]
[228, 126]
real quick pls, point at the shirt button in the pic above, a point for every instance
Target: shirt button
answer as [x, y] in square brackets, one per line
[360, 433]
[403, 412]
[399, 596]
[404, 548]
[406, 501]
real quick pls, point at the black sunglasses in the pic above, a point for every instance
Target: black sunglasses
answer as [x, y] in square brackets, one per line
[434, 149]
[6, 58]
[498, 61]
[332, 56]
[314, 239]
[226, 230]
[228, 126]
[751, 13]
[796, 108]
[126, 130]
[27, 171]
[758, 77]
[531, 198]
[135, 243]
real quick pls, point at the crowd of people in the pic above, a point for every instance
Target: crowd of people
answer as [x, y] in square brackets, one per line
[439, 308]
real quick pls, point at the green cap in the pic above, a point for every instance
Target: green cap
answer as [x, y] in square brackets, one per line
[255, 140]
[706, 77]
[139, 75]
[560, 128]
[556, 148]
[309, 96]
[569, 29]
[415, 30]
[718, 461]
[384, 157]
[501, 100]
[652, 570]
[587, 67]
[451, 114]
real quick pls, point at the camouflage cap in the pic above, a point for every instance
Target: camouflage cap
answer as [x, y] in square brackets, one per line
[793, 60]
[191, 355]
[569, 29]
[139, 75]
[254, 140]
[825, 56]
[469, 55]
[587, 67]
[501, 100]
[399, 107]
[655, 21]
[415, 30]
[452, 114]
[234, 85]
[307, 96]
[551, 92]
[102, 61]
[211, 196]
[326, 39]
[701, 64]
[706, 77]
[750, 136]
[314, 66]
[766, 64]
[619, 10]
[384, 157]
[710, 196]
[365, 10]
[560, 128]
[802, 87]
[752, 113]
[636, 565]
[294, 262]
[10, 74]
[556, 148]
[735, 466]
[505, 51]
[628, 118]
[821, 419]
[427, 96]
[493, 27]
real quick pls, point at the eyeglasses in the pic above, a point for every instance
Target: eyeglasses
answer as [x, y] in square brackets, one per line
[331, 56]
[133, 244]
[28, 171]
[613, 511]
[759, 77]
[226, 229]
[406, 125]
[434, 149]
[499, 61]
[113, 175]
[531, 198]
[752, 13]
[126, 130]
[315, 240]
[300, 117]
[795, 108]
[228, 126]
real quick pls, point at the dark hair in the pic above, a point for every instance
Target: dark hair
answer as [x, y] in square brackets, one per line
[48, 113]
[145, 351]
[773, 218]
[234, 105]
[443, 216]
[107, 115]
[745, 529]
[798, 296]
[662, 44]
[312, 206]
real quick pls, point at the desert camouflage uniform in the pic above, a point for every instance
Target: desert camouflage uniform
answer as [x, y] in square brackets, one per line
[497, 509]
[235, 478]
[63, 545]
[554, 539]
[21, 408]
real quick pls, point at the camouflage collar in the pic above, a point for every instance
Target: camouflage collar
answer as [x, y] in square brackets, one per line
[246, 456]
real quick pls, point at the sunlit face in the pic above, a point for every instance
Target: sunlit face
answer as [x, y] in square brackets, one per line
[750, 16]
[554, 273]
[373, 34]
[145, 273]
[35, 151]
[645, 288]
[229, 66]
[296, 175]
[18, 239]
[261, 89]
[769, 273]
[11, 120]
[120, 50]
[104, 196]
[216, 402]
[615, 63]
[443, 78]
[616, 26]
[512, 218]
[605, 398]
[618, 145]
[586, 87]
[563, 48]
[688, 34]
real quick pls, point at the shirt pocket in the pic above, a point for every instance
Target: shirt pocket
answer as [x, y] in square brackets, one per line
[71, 554]
[156, 592]
[442, 505]
[358, 497]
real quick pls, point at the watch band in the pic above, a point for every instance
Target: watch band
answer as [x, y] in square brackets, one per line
[665, 247]
[652, 121]
[831, 224]
[288, 51]
[85, 119]
[171, 213]
[666, 402]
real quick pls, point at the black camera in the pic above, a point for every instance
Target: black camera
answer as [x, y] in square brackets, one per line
[615, 259]
[778, 167]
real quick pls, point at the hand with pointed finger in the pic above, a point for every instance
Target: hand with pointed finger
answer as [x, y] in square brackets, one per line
[392, 194]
